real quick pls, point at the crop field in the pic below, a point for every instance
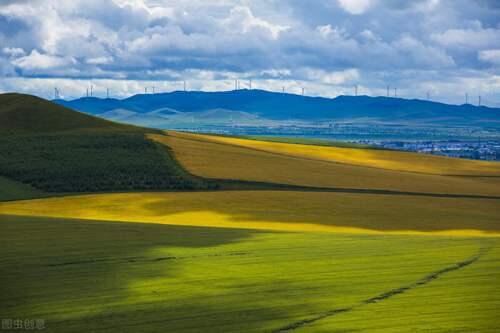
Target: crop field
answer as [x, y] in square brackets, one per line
[409, 252]
[89, 275]
[278, 210]
[203, 156]
[374, 158]
[308, 141]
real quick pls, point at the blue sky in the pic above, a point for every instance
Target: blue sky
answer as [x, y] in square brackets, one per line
[444, 47]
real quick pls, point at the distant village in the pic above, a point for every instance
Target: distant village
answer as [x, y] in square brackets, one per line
[488, 150]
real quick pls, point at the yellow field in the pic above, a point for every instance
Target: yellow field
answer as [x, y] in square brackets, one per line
[368, 241]
[278, 210]
[384, 159]
[307, 260]
[229, 158]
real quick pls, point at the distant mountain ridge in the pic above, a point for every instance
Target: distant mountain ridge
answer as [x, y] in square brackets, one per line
[271, 106]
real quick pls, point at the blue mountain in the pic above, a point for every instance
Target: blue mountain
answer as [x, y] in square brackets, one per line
[280, 106]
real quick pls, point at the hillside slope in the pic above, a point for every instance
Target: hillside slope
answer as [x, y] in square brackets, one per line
[23, 114]
[374, 158]
[55, 149]
[232, 158]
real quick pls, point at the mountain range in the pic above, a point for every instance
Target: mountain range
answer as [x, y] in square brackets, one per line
[260, 107]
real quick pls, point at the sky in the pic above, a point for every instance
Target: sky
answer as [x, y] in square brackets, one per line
[440, 48]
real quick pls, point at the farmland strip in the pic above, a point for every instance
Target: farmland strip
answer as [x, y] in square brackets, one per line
[383, 296]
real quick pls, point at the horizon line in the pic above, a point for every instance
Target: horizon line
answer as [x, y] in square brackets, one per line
[269, 91]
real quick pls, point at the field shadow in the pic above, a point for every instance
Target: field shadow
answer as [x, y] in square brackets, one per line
[364, 211]
[86, 276]
[78, 274]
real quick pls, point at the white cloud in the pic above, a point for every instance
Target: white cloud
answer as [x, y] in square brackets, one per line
[413, 50]
[13, 52]
[336, 77]
[242, 19]
[472, 38]
[276, 73]
[369, 35]
[356, 7]
[36, 60]
[269, 41]
[99, 60]
[491, 56]
[326, 31]
[428, 5]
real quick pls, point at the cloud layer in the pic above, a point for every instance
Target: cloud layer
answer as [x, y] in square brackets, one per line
[446, 47]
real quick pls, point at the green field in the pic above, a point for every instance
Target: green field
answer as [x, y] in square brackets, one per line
[129, 277]
[237, 235]
[252, 261]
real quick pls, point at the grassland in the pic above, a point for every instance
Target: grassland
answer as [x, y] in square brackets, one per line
[206, 157]
[278, 210]
[26, 114]
[282, 259]
[83, 276]
[374, 158]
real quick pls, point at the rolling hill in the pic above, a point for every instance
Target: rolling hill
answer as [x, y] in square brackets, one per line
[328, 239]
[219, 157]
[55, 149]
[24, 114]
[275, 107]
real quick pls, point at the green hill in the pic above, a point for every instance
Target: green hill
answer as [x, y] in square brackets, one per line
[24, 114]
[56, 149]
